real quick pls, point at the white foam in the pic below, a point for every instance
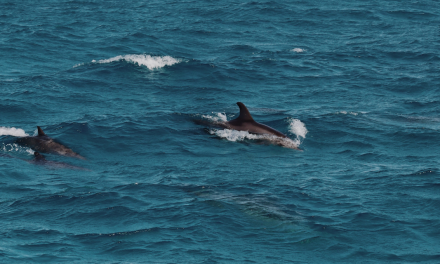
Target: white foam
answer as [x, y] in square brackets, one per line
[298, 128]
[16, 148]
[151, 62]
[12, 131]
[345, 112]
[298, 50]
[216, 117]
[235, 135]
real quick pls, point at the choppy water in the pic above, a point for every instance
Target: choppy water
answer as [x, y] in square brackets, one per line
[354, 84]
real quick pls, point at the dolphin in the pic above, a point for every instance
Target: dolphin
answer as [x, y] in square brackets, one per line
[45, 144]
[245, 122]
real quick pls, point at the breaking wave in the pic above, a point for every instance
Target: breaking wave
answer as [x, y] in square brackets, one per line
[350, 113]
[12, 131]
[298, 50]
[151, 62]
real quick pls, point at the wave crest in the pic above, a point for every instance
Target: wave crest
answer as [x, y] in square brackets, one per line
[12, 131]
[298, 50]
[345, 112]
[151, 62]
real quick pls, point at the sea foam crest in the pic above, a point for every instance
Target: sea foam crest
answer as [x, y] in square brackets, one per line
[298, 50]
[345, 112]
[12, 131]
[151, 62]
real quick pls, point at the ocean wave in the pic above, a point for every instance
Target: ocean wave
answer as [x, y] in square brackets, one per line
[298, 50]
[421, 119]
[151, 62]
[349, 113]
[78, 65]
[12, 131]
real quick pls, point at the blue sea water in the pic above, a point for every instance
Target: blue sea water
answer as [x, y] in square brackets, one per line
[354, 84]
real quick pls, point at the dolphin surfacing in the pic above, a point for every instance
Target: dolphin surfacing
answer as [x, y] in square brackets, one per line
[43, 143]
[245, 122]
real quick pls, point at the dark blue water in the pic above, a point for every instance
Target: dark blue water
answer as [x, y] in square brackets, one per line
[354, 84]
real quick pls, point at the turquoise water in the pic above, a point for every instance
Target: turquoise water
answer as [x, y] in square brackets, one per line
[355, 85]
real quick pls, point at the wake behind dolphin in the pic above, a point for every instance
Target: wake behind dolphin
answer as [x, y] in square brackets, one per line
[45, 144]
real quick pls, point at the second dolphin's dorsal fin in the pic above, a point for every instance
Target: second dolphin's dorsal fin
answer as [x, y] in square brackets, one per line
[40, 132]
[244, 113]
[38, 156]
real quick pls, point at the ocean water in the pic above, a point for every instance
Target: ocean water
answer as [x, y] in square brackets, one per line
[354, 84]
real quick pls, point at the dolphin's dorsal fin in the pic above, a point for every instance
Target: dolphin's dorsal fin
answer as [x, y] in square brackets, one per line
[40, 132]
[38, 156]
[244, 113]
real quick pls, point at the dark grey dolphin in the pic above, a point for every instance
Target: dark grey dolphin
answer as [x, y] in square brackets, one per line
[245, 122]
[45, 144]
